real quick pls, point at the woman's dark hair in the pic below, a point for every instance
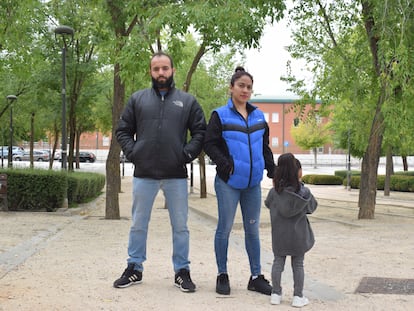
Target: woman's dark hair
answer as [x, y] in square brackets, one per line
[286, 173]
[238, 73]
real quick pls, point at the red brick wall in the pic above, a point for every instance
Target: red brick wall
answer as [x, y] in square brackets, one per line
[281, 128]
[90, 141]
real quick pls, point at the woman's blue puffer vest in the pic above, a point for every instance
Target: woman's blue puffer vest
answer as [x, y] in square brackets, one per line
[245, 142]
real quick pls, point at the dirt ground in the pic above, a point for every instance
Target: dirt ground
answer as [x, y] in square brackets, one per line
[69, 262]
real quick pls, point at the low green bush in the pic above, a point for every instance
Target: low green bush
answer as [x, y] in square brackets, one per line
[380, 182]
[35, 189]
[316, 179]
[397, 183]
[344, 173]
[402, 183]
[405, 173]
[82, 186]
[39, 189]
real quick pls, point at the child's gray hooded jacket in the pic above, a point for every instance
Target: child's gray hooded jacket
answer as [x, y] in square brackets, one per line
[291, 231]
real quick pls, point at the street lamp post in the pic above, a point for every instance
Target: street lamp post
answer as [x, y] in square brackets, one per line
[2, 149]
[11, 99]
[64, 32]
[348, 168]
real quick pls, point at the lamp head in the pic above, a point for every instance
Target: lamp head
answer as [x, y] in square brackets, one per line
[64, 30]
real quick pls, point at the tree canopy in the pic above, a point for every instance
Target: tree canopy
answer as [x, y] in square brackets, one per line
[359, 53]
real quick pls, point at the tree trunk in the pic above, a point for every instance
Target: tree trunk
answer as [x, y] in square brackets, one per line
[202, 168]
[315, 154]
[202, 163]
[31, 138]
[389, 170]
[405, 163]
[55, 145]
[77, 147]
[113, 182]
[370, 161]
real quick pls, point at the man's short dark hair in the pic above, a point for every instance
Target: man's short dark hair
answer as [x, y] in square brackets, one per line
[161, 53]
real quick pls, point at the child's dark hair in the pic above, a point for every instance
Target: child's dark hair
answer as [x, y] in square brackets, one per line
[298, 165]
[286, 173]
[238, 73]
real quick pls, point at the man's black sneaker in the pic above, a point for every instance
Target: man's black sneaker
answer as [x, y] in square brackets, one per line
[223, 284]
[129, 277]
[260, 284]
[183, 281]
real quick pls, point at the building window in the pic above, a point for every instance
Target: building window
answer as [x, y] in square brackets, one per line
[266, 115]
[105, 141]
[275, 117]
[275, 142]
[295, 122]
[318, 119]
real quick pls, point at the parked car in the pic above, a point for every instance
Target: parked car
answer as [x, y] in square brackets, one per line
[87, 157]
[4, 151]
[84, 156]
[38, 155]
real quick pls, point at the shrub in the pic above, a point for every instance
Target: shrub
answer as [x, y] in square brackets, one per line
[402, 183]
[344, 173]
[37, 189]
[397, 182]
[316, 179]
[380, 182]
[405, 173]
[83, 186]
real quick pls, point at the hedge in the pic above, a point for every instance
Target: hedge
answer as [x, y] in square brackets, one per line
[405, 173]
[39, 189]
[397, 183]
[316, 179]
[83, 186]
[344, 173]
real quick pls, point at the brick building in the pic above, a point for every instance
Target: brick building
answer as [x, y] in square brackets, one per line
[281, 118]
[94, 141]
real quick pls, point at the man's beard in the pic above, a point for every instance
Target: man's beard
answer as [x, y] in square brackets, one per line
[163, 85]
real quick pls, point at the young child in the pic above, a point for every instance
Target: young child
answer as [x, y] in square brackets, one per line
[289, 201]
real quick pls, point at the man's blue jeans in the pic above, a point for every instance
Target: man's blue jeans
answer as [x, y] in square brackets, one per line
[250, 203]
[176, 196]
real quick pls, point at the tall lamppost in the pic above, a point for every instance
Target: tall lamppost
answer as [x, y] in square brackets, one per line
[11, 99]
[348, 168]
[64, 32]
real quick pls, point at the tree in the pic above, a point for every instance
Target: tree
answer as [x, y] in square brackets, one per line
[124, 34]
[82, 64]
[163, 26]
[353, 48]
[311, 134]
[23, 25]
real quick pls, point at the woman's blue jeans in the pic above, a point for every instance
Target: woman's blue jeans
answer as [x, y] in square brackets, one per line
[176, 196]
[250, 203]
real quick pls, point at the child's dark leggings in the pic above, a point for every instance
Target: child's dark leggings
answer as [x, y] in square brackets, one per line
[298, 274]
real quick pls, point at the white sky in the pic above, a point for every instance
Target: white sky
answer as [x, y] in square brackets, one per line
[268, 63]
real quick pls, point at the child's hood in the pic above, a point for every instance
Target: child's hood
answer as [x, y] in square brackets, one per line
[293, 204]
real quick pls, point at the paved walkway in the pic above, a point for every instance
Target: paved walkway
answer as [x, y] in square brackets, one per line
[68, 260]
